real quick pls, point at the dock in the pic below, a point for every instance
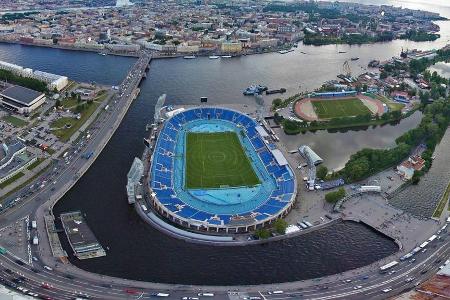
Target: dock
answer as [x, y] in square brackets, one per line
[82, 240]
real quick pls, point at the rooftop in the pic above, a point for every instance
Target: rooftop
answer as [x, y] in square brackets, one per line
[20, 94]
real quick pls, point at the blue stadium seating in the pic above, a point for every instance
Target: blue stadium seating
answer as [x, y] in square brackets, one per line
[214, 222]
[163, 165]
[187, 212]
[201, 216]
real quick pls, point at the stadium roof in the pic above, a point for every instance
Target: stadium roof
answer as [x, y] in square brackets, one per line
[279, 157]
[21, 94]
[262, 132]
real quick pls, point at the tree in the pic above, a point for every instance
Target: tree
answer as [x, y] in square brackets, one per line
[58, 103]
[79, 98]
[321, 172]
[357, 169]
[415, 178]
[276, 103]
[333, 197]
[262, 233]
[280, 226]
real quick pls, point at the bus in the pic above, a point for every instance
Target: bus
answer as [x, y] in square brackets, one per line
[432, 238]
[406, 256]
[389, 265]
[424, 244]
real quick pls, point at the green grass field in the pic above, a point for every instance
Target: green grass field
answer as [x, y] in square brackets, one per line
[14, 121]
[215, 160]
[328, 109]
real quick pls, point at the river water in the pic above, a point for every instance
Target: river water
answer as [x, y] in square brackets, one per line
[140, 252]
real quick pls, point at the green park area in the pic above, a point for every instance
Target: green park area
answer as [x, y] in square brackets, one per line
[215, 160]
[441, 205]
[14, 121]
[35, 164]
[11, 180]
[328, 109]
[65, 127]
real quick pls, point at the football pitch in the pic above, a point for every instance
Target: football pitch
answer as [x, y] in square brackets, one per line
[215, 160]
[327, 109]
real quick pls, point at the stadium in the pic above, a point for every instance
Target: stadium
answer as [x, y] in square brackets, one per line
[214, 169]
[329, 105]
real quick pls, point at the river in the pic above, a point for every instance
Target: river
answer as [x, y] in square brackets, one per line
[140, 252]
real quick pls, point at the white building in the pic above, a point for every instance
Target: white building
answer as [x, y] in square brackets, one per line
[53, 81]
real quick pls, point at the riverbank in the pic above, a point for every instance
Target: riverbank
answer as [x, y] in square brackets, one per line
[99, 51]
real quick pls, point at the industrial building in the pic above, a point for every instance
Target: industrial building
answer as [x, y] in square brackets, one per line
[20, 99]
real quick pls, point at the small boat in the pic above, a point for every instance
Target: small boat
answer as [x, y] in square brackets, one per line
[254, 90]
[226, 56]
[285, 51]
[102, 54]
[281, 91]
[214, 57]
[190, 57]
[354, 58]
[342, 52]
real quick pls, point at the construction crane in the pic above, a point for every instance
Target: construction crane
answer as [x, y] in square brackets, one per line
[346, 69]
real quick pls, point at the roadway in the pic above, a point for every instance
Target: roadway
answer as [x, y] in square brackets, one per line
[57, 284]
[66, 170]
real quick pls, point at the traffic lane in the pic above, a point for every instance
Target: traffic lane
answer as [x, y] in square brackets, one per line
[62, 283]
[85, 287]
[17, 208]
[384, 282]
[31, 285]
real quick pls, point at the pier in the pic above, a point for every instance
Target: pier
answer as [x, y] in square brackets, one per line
[80, 236]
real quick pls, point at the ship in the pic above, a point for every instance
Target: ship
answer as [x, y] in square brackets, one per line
[285, 51]
[226, 56]
[254, 90]
[374, 63]
[214, 57]
[342, 52]
[189, 57]
[279, 91]
[354, 58]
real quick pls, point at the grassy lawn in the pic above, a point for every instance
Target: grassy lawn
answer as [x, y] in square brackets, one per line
[393, 106]
[441, 205]
[215, 160]
[25, 183]
[69, 102]
[15, 121]
[11, 180]
[64, 134]
[36, 163]
[327, 109]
